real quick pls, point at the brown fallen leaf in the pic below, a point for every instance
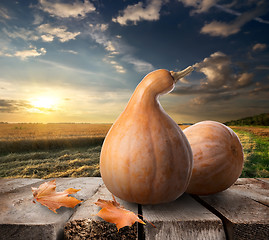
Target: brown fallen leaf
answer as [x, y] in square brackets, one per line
[113, 212]
[48, 197]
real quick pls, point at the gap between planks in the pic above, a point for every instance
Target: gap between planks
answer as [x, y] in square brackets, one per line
[215, 212]
[243, 209]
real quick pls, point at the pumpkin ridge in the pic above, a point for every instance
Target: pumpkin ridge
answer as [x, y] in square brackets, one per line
[190, 154]
[111, 161]
[154, 162]
[218, 157]
[129, 171]
[170, 144]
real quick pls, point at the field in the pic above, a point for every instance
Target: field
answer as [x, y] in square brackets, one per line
[255, 142]
[26, 131]
[73, 150]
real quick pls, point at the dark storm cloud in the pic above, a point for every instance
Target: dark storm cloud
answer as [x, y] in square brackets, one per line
[221, 83]
[10, 106]
[214, 97]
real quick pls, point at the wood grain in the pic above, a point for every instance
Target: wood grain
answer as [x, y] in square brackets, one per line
[252, 188]
[264, 179]
[243, 217]
[182, 219]
[84, 224]
[20, 218]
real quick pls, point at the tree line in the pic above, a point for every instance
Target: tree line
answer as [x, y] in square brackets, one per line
[258, 120]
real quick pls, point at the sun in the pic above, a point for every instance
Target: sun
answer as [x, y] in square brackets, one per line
[44, 103]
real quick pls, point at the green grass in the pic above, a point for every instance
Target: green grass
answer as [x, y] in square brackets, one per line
[34, 145]
[79, 157]
[73, 162]
[256, 154]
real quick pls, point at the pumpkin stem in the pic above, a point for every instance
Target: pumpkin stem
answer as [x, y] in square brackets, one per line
[181, 74]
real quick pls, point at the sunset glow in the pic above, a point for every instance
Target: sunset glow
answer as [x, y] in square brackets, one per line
[80, 61]
[44, 103]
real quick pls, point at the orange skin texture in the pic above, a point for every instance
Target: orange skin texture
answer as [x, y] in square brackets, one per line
[145, 157]
[217, 156]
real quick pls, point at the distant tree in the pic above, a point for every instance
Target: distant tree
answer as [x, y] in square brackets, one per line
[258, 120]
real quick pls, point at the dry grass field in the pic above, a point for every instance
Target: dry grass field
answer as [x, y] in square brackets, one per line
[23, 137]
[258, 131]
[71, 162]
[22, 131]
[73, 150]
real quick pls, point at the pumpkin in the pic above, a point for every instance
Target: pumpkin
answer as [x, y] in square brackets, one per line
[217, 157]
[145, 157]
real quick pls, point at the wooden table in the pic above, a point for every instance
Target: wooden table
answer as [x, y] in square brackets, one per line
[241, 212]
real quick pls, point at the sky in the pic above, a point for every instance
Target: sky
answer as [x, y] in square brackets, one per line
[80, 61]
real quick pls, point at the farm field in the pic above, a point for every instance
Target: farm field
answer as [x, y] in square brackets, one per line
[73, 150]
[255, 142]
[22, 131]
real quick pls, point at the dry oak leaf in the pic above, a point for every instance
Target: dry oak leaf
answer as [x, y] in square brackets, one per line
[113, 212]
[48, 197]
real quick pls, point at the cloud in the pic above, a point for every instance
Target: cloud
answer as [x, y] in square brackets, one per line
[138, 12]
[66, 68]
[227, 10]
[243, 80]
[4, 53]
[69, 51]
[120, 68]
[115, 64]
[4, 13]
[203, 6]
[200, 6]
[110, 47]
[38, 19]
[97, 33]
[200, 100]
[236, 13]
[221, 111]
[45, 31]
[116, 47]
[22, 33]
[219, 74]
[77, 9]
[51, 32]
[184, 80]
[222, 29]
[259, 89]
[47, 38]
[33, 52]
[221, 82]
[139, 65]
[258, 19]
[259, 47]
[11, 106]
[262, 67]
[99, 26]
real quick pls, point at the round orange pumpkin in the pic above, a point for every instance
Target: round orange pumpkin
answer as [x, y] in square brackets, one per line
[145, 157]
[217, 157]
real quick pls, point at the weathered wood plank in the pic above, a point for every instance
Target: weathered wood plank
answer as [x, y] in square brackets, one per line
[243, 217]
[22, 219]
[252, 188]
[10, 184]
[184, 219]
[264, 179]
[84, 224]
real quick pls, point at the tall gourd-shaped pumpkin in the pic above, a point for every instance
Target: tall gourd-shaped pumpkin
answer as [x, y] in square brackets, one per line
[145, 157]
